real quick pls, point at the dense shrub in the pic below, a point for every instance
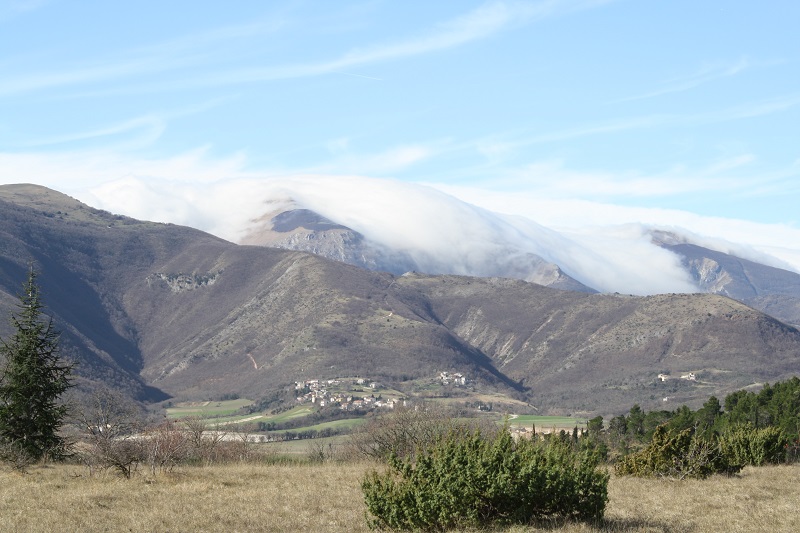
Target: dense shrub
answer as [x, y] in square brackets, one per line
[745, 445]
[676, 454]
[467, 479]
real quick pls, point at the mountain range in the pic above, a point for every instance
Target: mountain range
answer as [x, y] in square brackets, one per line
[161, 310]
[767, 288]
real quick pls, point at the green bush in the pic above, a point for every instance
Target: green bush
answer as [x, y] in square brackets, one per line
[747, 445]
[676, 454]
[467, 479]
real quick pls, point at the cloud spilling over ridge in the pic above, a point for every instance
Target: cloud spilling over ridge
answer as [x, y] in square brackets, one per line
[440, 232]
[444, 229]
[771, 244]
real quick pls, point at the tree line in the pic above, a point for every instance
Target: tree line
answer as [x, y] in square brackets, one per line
[748, 428]
[776, 405]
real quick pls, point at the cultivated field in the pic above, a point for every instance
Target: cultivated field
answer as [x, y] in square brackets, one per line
[327, 497]
[210, 409]
[224, 413]
[547, 424]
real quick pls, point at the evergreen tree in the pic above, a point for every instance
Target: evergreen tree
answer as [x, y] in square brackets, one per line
[708, 418]
[618, 426]
[32, 382]
[595, 425]
[636, 421]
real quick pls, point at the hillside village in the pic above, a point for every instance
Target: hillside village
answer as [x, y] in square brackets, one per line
[339, 392]
[343, 393]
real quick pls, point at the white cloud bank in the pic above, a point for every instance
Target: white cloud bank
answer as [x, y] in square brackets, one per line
[444, 229]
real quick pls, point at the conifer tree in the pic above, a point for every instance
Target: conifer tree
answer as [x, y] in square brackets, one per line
[32, 381]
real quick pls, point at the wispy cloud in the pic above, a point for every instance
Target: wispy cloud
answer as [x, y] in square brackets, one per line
[494, 146]
[385, 162]
[179, 54]
[78, 170]
[143, 130]
[480, 23]
[150, 125]
[11, 8]
[553, 179]
[158, 58]
[748, 110]
[684, 83]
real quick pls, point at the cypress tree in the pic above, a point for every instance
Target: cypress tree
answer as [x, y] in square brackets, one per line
[32, 381]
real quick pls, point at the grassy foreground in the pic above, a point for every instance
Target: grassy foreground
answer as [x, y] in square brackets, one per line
[327, 497]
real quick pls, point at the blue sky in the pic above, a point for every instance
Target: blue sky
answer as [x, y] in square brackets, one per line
[570, 113]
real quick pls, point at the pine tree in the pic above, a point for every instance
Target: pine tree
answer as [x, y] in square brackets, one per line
[32, 382]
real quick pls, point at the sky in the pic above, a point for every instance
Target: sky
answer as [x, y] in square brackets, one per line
[583, 121]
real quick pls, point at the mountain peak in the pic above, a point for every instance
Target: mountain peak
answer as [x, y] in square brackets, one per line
[37, 196]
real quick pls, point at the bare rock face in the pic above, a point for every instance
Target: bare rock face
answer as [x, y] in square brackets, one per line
[304, 230]
[710, 275]
[181, 282]
[769, 289]
[534, 269]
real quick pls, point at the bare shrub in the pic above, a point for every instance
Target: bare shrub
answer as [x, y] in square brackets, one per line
[319, 451]
[166, 445]
[215, 444]
[195, 428]
[239, 447]
[16, 456]
[110, 425]
[205, 443]
[405, 432]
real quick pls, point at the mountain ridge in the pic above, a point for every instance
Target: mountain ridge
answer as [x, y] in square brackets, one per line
[162, 310]
[767, 288]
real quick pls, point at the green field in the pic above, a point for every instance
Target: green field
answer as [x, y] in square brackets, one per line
[347, 423]
[296, 412]
[547, 422]
[222, 413]
[207, 409]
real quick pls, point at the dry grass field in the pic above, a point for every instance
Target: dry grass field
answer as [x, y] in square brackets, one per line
[327, 498]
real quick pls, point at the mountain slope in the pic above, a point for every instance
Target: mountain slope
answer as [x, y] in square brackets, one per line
[588, 350]
[772, 290]
[769, 289]
[150, 305]
[162, 310]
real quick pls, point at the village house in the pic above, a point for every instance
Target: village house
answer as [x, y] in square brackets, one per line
[456, 378]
